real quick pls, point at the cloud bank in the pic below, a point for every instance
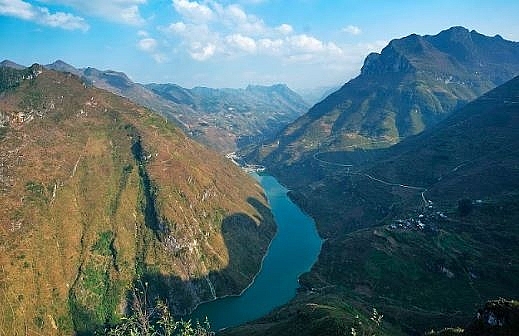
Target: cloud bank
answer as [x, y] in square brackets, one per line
[41, 15]
[353, 30]
[120, 11]
[211, 29]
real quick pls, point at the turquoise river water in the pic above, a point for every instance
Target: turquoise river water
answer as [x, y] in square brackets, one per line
[292, 252]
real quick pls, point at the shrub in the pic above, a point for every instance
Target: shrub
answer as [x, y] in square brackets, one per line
[155, 320]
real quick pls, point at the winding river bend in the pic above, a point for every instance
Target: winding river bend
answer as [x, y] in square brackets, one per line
[292, 252]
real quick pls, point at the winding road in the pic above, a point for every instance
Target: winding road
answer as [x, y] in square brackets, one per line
[392, 184]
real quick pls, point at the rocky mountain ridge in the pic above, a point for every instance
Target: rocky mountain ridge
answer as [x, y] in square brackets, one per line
[224, 119]
[252, 114]
[415, 82]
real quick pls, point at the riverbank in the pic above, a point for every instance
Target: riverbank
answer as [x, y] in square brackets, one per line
[292, 252]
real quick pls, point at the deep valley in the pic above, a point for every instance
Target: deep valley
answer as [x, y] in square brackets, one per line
[116, 194]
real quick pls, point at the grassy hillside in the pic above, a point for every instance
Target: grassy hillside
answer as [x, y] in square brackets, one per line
[425, 231]
[98, 193]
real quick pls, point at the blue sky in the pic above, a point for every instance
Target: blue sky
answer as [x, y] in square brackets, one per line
[221, 43]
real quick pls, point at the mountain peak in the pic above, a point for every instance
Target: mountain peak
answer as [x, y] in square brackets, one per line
[62, 66]
[456, 30]
[10, 64]
[60, 63]
[412, 84]
[282, 88]
[392, 59]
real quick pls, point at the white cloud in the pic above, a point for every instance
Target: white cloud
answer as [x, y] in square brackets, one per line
[254, 2]
[189, 32]
[200, 42]
[234, 18]
[202, 52]
[271, 47]
[305, 43]
[210, 29]
[41, 15]
[285, 29]
[61, 20]
[193, 10]
[121, 11]
[151, 46]
[17, 8]
[177, 27]
[241, 42]
[236, 13]
[353, 30]
[147, 44]
[130, 15]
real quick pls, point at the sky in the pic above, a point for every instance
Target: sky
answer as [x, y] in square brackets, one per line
[305, 44]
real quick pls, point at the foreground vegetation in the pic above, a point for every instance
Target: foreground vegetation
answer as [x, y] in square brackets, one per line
[149, 318]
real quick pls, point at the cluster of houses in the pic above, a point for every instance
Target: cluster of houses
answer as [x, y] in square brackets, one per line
[426, 219]
[249, 168]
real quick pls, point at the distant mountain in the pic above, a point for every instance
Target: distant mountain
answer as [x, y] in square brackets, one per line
[224, 119]
[61, 66]
[10, 64]
[423, 231]
[315, 95]
[99, 195]
[248, 115]
[411, 85]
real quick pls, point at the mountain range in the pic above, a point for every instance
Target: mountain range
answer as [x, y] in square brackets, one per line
[100, 195]
[424, 231]
[414, 83]
[223, 119]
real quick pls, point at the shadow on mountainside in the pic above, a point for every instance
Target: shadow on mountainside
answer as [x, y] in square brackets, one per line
[246, 243]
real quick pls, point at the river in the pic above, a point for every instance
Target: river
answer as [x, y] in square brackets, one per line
[293, 251]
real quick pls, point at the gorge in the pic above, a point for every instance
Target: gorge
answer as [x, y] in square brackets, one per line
[293, 251]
